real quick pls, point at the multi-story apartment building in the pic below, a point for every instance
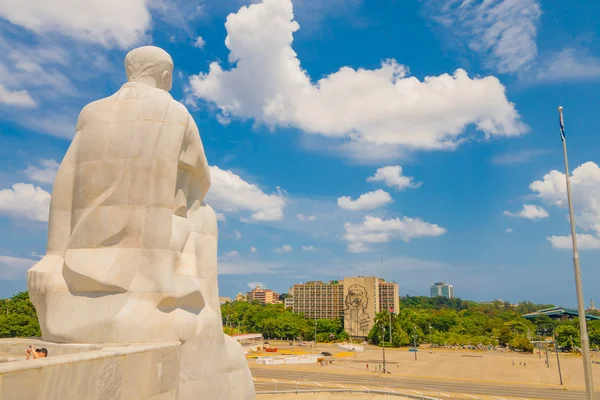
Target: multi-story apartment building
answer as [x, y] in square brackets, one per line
[319, 300]
[288, 302]
[389, 296]
[442, 289]
[263, 296]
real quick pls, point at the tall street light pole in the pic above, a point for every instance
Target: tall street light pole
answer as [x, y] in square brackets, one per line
[383, 344]
[585, 344]
[557, 357]
[415, 342]
[430, 342]
[391, 325]
[315, 346]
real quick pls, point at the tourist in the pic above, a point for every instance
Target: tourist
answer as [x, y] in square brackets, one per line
[36, 353]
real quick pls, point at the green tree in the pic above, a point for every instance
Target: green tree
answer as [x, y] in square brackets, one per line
[521, 343]
[18, 317]
[567, 336]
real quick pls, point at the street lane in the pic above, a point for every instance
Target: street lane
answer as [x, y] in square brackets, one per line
[395, 382]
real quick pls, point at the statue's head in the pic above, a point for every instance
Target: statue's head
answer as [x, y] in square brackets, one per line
[150, 65]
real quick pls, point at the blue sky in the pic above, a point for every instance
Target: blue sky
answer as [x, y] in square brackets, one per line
[417, 140]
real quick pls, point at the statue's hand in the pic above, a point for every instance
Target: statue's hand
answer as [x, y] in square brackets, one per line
[41, 274]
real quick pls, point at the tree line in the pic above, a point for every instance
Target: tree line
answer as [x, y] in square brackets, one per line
[455, 322]
[438, 321]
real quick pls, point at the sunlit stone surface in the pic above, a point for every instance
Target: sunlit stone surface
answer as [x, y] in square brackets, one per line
[132, 247]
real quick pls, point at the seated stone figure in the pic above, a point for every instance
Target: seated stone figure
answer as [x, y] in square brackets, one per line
[132, 247]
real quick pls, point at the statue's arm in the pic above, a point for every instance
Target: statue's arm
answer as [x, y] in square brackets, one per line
[194, 165]
[61, 203]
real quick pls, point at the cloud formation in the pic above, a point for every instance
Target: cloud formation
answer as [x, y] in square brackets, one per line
[200, 42]
[377, 230]
[585, 183]
[230, 193]
[366, 201]
[25, 201]
[17, 98]
[14, 267]
[45, 173]
[529, 211]
[286, 248]
[502, 31]
[305, 218]
[585, 241]
[392, 177]
[106, 22]
[383, 106]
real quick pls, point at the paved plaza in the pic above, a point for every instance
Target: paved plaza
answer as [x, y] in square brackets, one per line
[441, 373]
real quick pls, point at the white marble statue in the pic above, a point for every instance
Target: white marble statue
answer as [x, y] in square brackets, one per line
[132, 247]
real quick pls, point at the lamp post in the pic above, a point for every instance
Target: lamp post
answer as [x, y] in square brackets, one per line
[557, 357]
[383, 345]
[315, 345]
[585, 344]
[415, 343]
[430, 342]
[415, 340]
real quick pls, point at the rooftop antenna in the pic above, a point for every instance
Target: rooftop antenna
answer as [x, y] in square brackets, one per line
[363, 270]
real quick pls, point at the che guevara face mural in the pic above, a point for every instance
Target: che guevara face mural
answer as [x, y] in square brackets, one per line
[356, 302]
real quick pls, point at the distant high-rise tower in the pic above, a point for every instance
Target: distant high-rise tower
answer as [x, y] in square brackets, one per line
[592, 305]
[442, 289]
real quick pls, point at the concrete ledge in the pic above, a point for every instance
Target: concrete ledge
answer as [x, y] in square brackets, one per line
[145, 371]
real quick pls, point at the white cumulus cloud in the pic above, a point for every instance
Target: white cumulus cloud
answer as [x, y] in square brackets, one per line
[106, 22]
[253, 249]
[377, 230]
[584, 241]
[45, 173]
[392, 177]
[286, 248]
[232, 253]
[308, 248]
[383, 106]
[230, 193]
[25, 201]
[529, 211]
[366, 201]
[585, 183]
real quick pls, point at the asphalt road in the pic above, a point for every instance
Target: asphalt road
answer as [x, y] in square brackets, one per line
[448, 388]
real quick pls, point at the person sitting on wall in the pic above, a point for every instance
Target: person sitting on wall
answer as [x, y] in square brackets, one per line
[36, 353]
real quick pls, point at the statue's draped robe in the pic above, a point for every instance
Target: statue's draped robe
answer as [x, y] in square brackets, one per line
[127, 217]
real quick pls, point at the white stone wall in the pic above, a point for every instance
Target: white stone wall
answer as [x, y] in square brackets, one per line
[148, 372]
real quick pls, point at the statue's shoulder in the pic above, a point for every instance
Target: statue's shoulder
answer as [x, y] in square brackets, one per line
[91, 108]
